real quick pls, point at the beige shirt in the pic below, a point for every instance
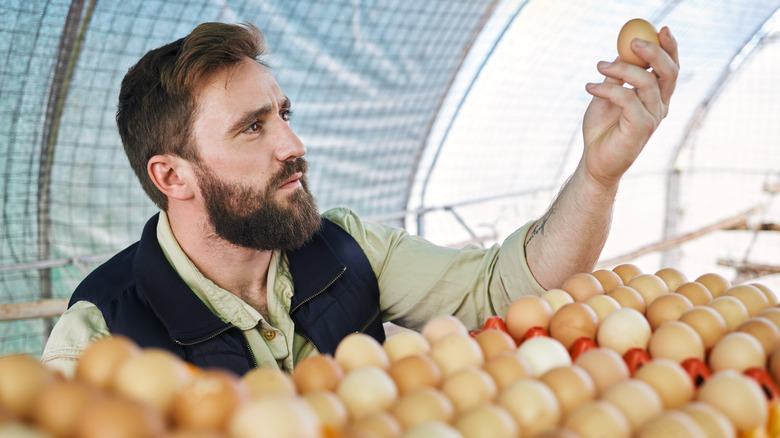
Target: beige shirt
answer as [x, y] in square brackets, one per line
[417, 281]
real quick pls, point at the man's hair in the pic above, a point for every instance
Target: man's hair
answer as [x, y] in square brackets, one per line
[157, 100]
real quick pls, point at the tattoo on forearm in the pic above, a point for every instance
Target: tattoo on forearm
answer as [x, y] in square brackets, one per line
[538, 228]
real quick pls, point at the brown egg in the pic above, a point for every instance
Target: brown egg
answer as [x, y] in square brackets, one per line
[672, 423]
[280, 416]
[405, 343]
[527, 312]
[637, 400]
[771, 297]
[738, 397]
[677, 341]
[772, 314]
[574, 321]
[608, 279]
[603, 305]
[712, 422]
[532, 404]
[628, 297]
[22, 379]
[731, 309]
[598, 418]
[268, 382]
[468, 388]
[366, 390]
[359, 350]
[441, 326]
[669, 380]
[494, 341]
[605, 366]
[60, 405]
[696, 292]
[633, 29]
[649, 286]
[623, 330]
[572, 386]
[208, 400]
[707, 322]
[764, 331]
[627, 271]
[421, 405]
[557, 298]
[100, 360]
[329, 409]
[773, 364]
[754, 300]
[378, 425]
[317, 373]
[506, 368]
[737, 351]
[487, 420]
[582, 286]
[415, 371]
[667, 307]
[716, 283]
[120, 417]
[673, 277]
[455, 352]
[153, 376]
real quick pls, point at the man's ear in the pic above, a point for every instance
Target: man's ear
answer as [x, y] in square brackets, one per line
[172, 175]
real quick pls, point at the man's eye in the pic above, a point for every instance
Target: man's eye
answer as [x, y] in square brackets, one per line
[254, 127]
[286, 115]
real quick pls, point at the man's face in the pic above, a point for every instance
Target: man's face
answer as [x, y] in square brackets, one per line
[252, 176]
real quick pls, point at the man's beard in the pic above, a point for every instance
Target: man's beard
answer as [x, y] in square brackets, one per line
[251, 217]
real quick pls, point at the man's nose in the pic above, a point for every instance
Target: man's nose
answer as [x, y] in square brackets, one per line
[288, 145]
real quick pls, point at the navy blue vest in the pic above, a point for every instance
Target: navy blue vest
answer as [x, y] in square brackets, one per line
[142, 297]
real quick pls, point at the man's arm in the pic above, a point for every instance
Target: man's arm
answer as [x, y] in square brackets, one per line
[618, 123]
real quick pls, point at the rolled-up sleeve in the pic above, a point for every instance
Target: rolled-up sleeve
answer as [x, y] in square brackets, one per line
[419, 280]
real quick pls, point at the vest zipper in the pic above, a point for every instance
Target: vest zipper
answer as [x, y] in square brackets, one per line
[373, 318]
[249, 349]
[343, 269]
[208, 338]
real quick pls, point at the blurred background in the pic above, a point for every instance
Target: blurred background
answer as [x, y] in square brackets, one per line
[458, 120]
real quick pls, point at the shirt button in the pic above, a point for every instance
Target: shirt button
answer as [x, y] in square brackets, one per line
[269, 334]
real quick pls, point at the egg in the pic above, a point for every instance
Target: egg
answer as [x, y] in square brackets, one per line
[572, 386]
[100, 360]
[506, 368]
[468, 388]
[736, 351]
[715, 283]
[581, 286]
[671, 423]
[330, 410]
[773, 364]
[153, 376]
[532, 405]
[708, 323]
[120, 417]
[574, 321]
[636, 399]
[673, 277]
[268, 382]
[415, 371]
[366, 390]
[731, 309]
[432, 429]
[605, 366]
[738, 397]
[636, 28]
[280, 416]
[763, 330]
[421, 405]
[626, 271]
[358, 350]
[603, 305]
[208, 400]
[493, 342]
[677, 341]
[622, 330]
[697, 293]
[59, 406]
[441, 326]
[22, 379]
[316, 373]
[487, 420]
[378, 425]
[598, 418]
[669, 380]
[405, 343]
[557, 298]
[527, 312]
[455, 352]
[710, 420]
[628, 297]
[649, 286]
[771, 297]
[609, 279]
[772, 314]
[754, 300]
[667, 307]
[543, 353]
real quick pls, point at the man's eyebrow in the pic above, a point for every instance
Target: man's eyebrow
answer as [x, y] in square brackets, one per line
[253, 115]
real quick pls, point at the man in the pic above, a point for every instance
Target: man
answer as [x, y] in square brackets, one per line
[240, 270]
